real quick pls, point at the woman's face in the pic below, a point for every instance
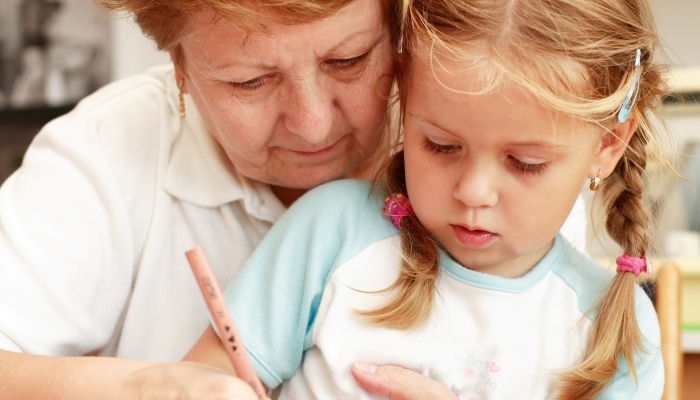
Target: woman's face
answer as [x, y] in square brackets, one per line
[297, 105]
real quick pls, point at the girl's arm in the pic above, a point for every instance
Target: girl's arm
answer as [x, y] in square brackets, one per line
[209, 350]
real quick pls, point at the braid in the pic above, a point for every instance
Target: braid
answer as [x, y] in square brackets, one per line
[628, 216]
[415, 286]
[616, 331]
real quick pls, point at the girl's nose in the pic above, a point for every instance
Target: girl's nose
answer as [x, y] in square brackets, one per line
[309, 110]
[477, 186]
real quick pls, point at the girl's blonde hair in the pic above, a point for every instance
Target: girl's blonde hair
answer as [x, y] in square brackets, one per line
[576, 57]
[167, 22]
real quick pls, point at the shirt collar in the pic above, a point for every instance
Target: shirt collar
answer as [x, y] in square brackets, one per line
[199, 171]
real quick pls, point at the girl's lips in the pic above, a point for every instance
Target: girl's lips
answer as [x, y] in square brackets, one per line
[473, 238]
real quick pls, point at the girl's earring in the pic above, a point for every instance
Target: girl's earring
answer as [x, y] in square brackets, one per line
[595, 183]
[181, 95]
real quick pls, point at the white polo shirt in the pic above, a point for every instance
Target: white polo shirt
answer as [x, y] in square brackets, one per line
[486, 337]
[95, 224]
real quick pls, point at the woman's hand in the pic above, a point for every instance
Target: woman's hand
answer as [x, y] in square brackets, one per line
[399, 383]
[184, 381]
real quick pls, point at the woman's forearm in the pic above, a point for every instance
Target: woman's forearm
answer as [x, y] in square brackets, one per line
[28, 376]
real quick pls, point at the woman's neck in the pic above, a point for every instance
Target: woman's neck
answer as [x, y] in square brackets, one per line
[287, 195]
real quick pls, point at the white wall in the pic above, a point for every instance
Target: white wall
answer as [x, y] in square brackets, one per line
[132, 52]
[678, 22]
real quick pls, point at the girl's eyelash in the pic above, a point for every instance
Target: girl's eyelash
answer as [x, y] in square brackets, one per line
[435, 148]
[525, 168]
[521, 167]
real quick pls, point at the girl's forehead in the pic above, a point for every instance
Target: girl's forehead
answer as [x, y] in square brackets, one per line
[503, 64]
[479, 105]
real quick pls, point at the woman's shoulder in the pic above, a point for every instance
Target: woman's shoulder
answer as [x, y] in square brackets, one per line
[130, 113]
[129, 100]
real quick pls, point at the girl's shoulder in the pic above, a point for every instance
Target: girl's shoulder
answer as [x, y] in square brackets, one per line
[590, 279]
[340, 190]
[341, 199]
[342, 210]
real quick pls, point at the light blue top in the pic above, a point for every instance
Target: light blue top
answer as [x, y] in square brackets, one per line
[487, 337]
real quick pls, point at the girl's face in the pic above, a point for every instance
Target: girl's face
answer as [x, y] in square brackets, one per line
[492, 177]
[295, 105]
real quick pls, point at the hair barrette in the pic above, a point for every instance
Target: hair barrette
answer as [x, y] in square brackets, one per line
[628, 104]
[635, 265]
[397, 206]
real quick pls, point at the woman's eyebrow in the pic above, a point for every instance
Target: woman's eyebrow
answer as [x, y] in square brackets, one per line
[241, 63]
[353, 35]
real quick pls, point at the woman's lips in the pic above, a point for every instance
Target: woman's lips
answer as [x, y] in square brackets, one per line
[473, 238]
[316, 153]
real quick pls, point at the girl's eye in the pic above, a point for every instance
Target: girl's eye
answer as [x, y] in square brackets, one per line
[251, 84]
[347, 62]
[435, 148]
[526, 168]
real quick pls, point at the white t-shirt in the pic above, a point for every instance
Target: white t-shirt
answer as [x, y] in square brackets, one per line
[95, 224]
[487, 337]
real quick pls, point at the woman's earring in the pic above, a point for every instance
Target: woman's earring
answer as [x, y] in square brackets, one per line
[181, 95]
[595, 183]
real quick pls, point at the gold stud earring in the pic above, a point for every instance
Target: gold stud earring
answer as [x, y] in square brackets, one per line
[181, 95]
[595, 183]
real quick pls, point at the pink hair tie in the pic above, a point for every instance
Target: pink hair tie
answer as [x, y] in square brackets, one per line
[636, 265]
[397, 206]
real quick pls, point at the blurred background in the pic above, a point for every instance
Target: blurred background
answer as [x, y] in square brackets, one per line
[54, 52]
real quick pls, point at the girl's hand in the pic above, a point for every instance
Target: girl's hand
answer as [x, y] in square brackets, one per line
[184, 381]
[399, 383]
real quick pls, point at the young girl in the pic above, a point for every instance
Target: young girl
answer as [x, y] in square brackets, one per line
[457, 269]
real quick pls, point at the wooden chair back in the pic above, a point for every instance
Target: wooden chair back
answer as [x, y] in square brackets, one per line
[667, 299]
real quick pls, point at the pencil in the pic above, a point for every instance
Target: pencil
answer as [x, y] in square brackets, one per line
[219, 311]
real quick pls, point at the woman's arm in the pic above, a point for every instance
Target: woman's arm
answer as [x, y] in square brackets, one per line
[27, 376]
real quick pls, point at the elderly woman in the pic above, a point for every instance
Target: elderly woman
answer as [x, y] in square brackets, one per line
[264, 101]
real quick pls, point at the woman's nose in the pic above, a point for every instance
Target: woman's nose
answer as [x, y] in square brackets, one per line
[477, 186]
[309, 112]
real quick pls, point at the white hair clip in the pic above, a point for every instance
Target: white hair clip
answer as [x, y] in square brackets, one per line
[634, 89]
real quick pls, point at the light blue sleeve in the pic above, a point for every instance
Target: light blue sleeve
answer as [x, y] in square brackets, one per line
[274, 300]
[649, 364]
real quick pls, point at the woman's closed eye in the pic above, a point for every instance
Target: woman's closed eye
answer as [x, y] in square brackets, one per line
[341, 63]
[338, 64]
[527, 167]
[437, 148]
[252, 83]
